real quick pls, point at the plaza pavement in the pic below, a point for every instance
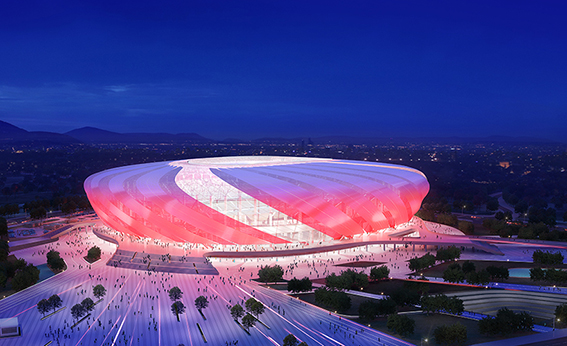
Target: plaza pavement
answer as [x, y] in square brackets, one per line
[136, 309]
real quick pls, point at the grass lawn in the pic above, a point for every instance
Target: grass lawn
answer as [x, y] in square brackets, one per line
[360, 264]
[354, 300]
[388, 287]
[426, 324]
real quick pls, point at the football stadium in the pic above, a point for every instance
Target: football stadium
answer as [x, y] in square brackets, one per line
[256, 200]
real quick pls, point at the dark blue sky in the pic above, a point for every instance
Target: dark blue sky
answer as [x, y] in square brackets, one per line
[249, 69]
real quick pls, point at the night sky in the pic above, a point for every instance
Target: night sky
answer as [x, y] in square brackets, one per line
[250, 69]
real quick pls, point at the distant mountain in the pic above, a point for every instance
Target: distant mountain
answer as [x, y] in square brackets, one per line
[10, 135]
[96, 135]
[8, 130]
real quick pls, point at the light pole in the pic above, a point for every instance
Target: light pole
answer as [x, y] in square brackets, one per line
[558, 320]
[422, 340]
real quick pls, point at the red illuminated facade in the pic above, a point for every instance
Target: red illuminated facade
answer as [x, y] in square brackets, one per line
[256, 200]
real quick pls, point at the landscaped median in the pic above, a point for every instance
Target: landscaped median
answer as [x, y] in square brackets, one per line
[53, 313]
[201, 331]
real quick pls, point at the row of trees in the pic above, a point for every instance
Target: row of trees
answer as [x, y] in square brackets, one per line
[371, 309]
[455, 273]
[9, 209]
[270, 273]
[506, 322]
[428, 260]
[348, 279]
[441, 302]
[547, 258]
[441, 214]
[21, 273]
[177, 307]
[52, 303]
[38, 207]
[550, 275]
[379, 273]
[254, 308]
[3, 228]
[337, 300]
[532, 230]
[401, 324]
[81, 309]
[296, 285]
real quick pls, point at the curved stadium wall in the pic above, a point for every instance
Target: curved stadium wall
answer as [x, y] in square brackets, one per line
[256, 200]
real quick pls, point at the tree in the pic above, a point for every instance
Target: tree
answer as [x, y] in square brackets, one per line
[295, 285]
[401, 324]
[175, 293]
[3, 227]
[449, 254]
[506, 322]
[537, 274]
[448, 219]
[38, 213]
[201, 302]
[521, 207]
[492, 204]
[177, 308]
[478, 278]
[54, 260]
[25, 278]
[454, 274]
[370, 309]
[78, 311]
[99, 291]
[236, 311]
[466, 227]
[468, 267]
[441, 302]
[349, 279]
[561, 312]
[290, 340]
[419, 263]
[43, 306]
[94, 253]
[455, 334]
[404, 296]
[379, 273]
[337, 300]
[498, 272]
[55, 302]
[270, 274]
[4, 250]
[547, 258]
[88, 304]
[248, 321]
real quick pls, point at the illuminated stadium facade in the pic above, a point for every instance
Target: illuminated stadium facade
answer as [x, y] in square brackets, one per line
[256, 200]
